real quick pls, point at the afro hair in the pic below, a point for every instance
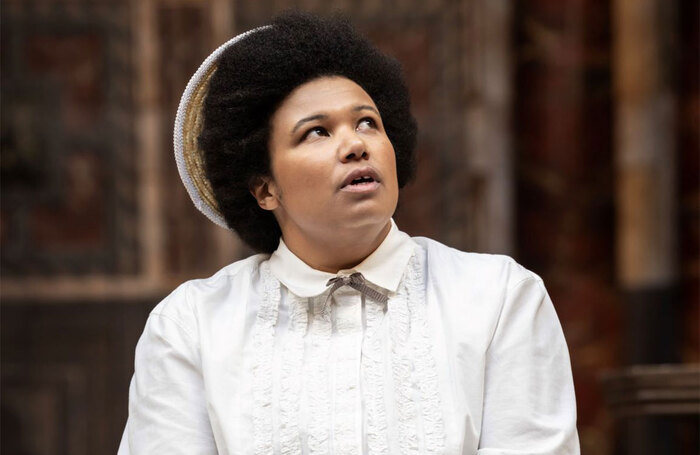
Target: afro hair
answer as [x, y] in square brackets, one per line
[252, 79]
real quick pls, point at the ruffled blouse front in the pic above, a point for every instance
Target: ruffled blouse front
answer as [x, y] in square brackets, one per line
[352, 374]
[263, 358]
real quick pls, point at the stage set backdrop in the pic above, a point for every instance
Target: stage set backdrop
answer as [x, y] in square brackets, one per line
[561, 132]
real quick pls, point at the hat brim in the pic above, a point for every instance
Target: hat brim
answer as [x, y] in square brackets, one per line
[189, 122]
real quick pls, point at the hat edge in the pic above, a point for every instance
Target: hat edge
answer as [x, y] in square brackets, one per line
[193, 190]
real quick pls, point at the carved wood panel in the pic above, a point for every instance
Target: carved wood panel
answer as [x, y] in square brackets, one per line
[67, 172]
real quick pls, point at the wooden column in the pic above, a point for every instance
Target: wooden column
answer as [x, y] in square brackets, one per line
[487, 126]
[645, 144]
[646, 210]
[645, 161]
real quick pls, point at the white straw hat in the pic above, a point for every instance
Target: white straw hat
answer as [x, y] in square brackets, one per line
[188, 125]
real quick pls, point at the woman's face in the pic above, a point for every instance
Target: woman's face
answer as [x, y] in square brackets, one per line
[333, 166]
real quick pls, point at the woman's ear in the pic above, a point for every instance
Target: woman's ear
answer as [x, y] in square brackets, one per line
[265, 192]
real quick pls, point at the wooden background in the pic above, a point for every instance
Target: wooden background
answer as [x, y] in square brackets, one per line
[563, 133]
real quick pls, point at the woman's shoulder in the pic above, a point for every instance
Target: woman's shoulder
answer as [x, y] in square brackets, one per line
[243, 268]
[237, 278]
[470, 267]
[473, 288]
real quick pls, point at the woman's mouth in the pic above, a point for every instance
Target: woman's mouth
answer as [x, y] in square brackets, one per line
[360, 180]
[363, 184]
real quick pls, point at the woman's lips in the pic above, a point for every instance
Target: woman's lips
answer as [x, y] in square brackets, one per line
[364, 187]
[364, 173]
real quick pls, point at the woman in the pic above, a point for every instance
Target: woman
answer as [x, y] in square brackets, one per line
[344, 335]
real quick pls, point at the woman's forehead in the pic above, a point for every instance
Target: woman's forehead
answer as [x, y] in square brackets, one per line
[326, 94]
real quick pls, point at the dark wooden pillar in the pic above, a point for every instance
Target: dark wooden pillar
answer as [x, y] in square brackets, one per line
[564, 170]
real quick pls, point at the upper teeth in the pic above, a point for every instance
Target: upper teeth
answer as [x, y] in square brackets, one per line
[360, 179]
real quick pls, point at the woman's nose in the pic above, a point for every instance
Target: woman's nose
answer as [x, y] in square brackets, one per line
[353, 149]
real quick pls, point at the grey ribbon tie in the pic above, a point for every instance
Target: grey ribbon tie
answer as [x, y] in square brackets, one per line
[355, 281]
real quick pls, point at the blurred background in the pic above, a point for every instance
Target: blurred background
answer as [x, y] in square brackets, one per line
[561, 132]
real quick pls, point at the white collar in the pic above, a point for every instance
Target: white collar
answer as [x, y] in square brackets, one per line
[383, 268]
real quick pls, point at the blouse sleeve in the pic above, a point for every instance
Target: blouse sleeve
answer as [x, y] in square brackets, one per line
[167, 403]
[529, 401]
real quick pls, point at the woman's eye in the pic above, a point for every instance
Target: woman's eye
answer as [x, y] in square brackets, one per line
[366, 123]
[316, 131]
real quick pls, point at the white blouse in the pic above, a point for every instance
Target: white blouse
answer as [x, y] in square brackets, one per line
[466, 357]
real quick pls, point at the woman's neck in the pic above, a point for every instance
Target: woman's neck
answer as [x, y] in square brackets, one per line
[338, 251]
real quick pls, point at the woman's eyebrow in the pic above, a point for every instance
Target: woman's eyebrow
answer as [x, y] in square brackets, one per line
[366, 107]
[311, 118]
